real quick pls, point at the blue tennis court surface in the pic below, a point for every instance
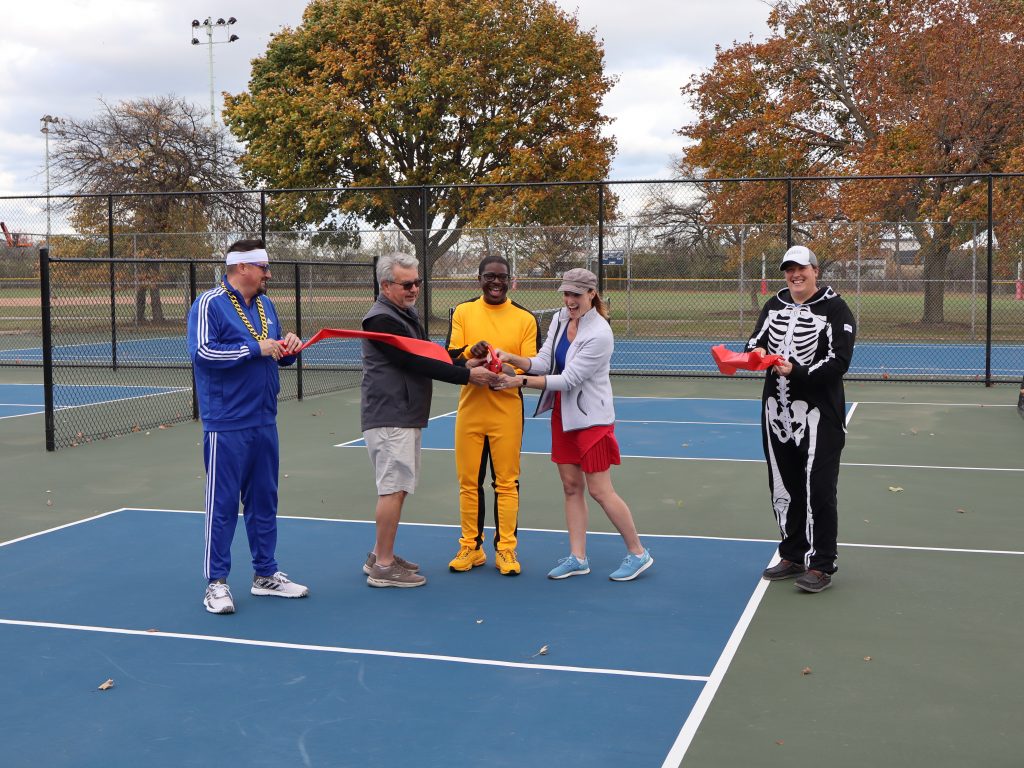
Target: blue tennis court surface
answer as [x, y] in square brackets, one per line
[646, 427]
[354, 675]
[630, 355]
[27, 399]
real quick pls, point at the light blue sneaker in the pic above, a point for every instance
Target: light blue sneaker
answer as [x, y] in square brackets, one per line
[632, 566]
[569, 566]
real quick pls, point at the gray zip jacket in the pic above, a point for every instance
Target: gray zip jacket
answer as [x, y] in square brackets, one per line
[585, 383]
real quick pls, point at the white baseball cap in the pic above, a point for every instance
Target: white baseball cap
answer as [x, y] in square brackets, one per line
[799, 254]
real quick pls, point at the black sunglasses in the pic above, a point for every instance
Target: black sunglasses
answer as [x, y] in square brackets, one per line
[497, 277]
[409, 284]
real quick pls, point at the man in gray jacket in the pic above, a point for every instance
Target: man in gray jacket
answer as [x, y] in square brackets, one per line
[395, 407]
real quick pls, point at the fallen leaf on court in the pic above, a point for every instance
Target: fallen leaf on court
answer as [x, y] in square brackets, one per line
[805, 671]
[895, 488]
[780, 742]
[286, 474]
[960, 511]
[913, 431]
[679, 503]
[106, 685]
[542, 652]
[49, 502]
[867, 658]
[479, 621]
[152, 630]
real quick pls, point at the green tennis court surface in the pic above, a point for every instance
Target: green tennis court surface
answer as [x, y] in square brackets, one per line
[911, 658]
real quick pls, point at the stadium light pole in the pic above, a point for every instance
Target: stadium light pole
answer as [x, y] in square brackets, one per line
[45, 122]
[208, 26]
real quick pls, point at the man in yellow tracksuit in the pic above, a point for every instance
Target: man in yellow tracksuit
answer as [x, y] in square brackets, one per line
[489, 423]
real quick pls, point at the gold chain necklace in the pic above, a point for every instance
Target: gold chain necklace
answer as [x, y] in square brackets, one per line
[262, 335]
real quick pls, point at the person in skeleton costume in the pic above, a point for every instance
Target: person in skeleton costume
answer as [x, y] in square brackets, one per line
[803, 416]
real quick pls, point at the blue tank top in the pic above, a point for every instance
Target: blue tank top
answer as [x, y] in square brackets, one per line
[560, 350]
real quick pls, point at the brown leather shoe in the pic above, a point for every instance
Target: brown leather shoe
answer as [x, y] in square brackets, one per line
[785, 569]
[814, 581]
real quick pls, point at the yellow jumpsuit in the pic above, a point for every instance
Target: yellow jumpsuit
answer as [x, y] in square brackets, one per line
[489, 423]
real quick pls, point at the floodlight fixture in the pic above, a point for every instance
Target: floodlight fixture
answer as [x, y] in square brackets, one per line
[208, 26]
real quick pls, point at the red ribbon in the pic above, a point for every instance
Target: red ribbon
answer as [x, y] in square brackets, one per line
[728, 362]
[420, 347]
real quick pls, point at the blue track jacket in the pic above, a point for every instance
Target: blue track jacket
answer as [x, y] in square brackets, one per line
[236, 386]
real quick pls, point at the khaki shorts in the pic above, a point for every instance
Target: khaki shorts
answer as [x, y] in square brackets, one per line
[395, 455]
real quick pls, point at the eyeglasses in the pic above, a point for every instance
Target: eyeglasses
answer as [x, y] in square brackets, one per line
[264, 267]
[408, 285]
[496, 277]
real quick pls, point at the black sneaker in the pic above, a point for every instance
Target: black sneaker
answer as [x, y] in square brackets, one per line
[814, 581]
[784, 569]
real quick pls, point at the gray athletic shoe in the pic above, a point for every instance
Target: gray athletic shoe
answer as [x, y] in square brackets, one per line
[372, 558]
[394, 575]
[218, 598]
[278, 585]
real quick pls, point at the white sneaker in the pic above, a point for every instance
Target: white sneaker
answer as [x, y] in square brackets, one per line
[277, 585]
[218, 598]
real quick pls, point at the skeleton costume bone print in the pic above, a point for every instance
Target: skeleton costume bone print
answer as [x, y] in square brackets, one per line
[803, 419]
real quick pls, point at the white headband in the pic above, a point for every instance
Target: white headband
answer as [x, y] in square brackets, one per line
[258, 256]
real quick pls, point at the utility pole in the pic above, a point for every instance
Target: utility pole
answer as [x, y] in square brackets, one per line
[209, 25]
[45, 122]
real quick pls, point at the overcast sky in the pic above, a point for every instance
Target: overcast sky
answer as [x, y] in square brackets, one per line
[59, 56]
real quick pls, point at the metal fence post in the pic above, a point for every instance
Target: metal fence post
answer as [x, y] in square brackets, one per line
[600, 238]
[425, 246]
[974, 278]
[988, 307]
[191, 301]
[113, 295]
[789, 214]
[743, 258]
[44, 306]
[263, 217]
[298, 328]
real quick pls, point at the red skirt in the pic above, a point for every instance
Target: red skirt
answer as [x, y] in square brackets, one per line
[593, 449]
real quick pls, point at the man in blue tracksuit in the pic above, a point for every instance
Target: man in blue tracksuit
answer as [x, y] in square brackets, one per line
[235, 343]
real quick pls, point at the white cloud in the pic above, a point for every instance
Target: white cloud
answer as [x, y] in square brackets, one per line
[60, 56]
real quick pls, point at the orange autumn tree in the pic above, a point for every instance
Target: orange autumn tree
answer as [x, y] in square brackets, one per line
[862, 87]
[383, 93]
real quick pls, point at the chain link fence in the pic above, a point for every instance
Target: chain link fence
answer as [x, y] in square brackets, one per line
[114, 349]
[683, 264]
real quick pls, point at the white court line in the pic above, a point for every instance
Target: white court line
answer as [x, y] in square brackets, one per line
[61, 527]
[353, 651]
[951, 405]
[454, 526]
[682, 743]
[352, 443]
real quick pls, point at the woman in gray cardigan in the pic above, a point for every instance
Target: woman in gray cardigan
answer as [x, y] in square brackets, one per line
[573, 371]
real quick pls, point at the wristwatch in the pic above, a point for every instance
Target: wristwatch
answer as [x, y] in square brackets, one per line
[523, 384]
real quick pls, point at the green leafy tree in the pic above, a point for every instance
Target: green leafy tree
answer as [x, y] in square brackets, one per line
[384, 93]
